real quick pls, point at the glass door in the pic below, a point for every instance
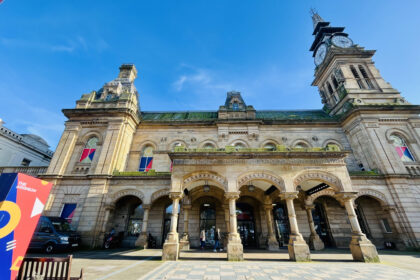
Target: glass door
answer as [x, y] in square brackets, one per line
[246, 225]
[208, 222]
[281, 223]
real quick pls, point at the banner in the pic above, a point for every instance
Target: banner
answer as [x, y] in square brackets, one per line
[22, 200]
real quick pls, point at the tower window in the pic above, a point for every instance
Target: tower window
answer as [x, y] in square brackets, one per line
[356, 76]
[89, 150]
[235, 106]
[365, 76]
[335, 82]
[402, 149]
[330, 90]
[25, 162]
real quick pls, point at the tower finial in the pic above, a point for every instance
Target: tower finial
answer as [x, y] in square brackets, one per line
[316, 18]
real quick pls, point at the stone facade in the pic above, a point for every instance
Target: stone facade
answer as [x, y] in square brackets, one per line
[344, 176]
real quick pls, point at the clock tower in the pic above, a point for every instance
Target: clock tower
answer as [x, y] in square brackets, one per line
[345, 74]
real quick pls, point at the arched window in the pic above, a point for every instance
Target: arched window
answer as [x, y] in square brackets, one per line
[402, 149]
[270, 146]
[334, 80]
[208, 146]
[239, 146]
[333, 147]
[365, 76]
[146, 160]
[89, 150]
[301, 145]
[356, 76]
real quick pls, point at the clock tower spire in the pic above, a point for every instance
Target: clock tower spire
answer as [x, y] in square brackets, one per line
[345, 73]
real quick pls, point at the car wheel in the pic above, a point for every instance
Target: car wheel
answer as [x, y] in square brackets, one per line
[49, 248]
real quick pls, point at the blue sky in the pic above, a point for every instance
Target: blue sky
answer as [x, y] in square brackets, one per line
[188, 53]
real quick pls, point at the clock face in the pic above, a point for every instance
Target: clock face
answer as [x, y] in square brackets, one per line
[342, 41]
[320, 54]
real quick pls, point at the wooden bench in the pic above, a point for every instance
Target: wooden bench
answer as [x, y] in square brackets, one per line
[47, 269]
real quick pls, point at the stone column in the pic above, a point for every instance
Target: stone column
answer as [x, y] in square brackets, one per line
[315, 242]
[170, 250]
[142, 240]
[272, 243]
[235, 251]
[361, 248]
[184, 243]
[298, 249]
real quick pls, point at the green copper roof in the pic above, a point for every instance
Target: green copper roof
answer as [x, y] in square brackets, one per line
[304, 115]
[179, 116]
[293, 115]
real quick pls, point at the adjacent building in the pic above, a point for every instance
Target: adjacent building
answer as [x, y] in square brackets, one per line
[346, 175]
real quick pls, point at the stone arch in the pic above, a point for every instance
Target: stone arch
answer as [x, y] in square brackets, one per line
[380, 197]
[261, 175]
[322, 176]
[158, 194]
[220, 181]
[146, 143]
[332, 141]
[90, 134]
[326, 192]
[298, 141]
[171, 145]
[208, 141]
[234, 142]
[133, 192]
[401, 133]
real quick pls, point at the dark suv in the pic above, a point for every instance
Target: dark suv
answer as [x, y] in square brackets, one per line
[54, 233]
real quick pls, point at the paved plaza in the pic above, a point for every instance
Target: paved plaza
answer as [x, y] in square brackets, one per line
[328, 264]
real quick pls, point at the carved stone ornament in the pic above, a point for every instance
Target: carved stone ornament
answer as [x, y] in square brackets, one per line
[232, 195]
[317, 175]
[159, 194]
[206, 176]
[262, 176]
[132, 192]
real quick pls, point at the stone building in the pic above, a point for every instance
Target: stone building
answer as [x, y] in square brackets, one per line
[23, 152]
[343, 176]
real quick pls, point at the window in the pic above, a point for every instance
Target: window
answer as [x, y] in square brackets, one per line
[235, 106]
[89, 150]
[68, 211]
[356, 76]
[25, 162]
[146, 160]
[365, 76]
[334, 80]
[402, 149]
[301, 145]
[239, 146]
[330, 90]
[333, 147]
[270, 146]
[208, 146]
[386, 226]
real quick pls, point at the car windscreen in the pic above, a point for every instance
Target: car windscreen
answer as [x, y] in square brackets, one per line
[62, 226]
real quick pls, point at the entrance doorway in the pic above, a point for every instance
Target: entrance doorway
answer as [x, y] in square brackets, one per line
[246, 225]
[281, 223]
[322, 226]
[208, 222]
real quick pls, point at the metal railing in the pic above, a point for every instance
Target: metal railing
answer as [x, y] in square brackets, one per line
[29, 170]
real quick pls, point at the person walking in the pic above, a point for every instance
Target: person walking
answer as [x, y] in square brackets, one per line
[217, 239]
[202, 239]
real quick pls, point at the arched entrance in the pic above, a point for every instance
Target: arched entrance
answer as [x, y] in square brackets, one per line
[321, 223]
[127, 219]
[281, 223]
[246, 224]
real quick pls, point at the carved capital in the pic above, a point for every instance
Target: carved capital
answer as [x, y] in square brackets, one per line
[175, 195]
[389, 208]
[308, 206]
[146, 206]
[346, 196]
[289, 195]
[268, 207]
[232, 195]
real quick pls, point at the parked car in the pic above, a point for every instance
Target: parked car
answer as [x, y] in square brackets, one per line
[53, 234]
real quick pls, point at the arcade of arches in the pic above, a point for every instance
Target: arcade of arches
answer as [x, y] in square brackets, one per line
[258, 210]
